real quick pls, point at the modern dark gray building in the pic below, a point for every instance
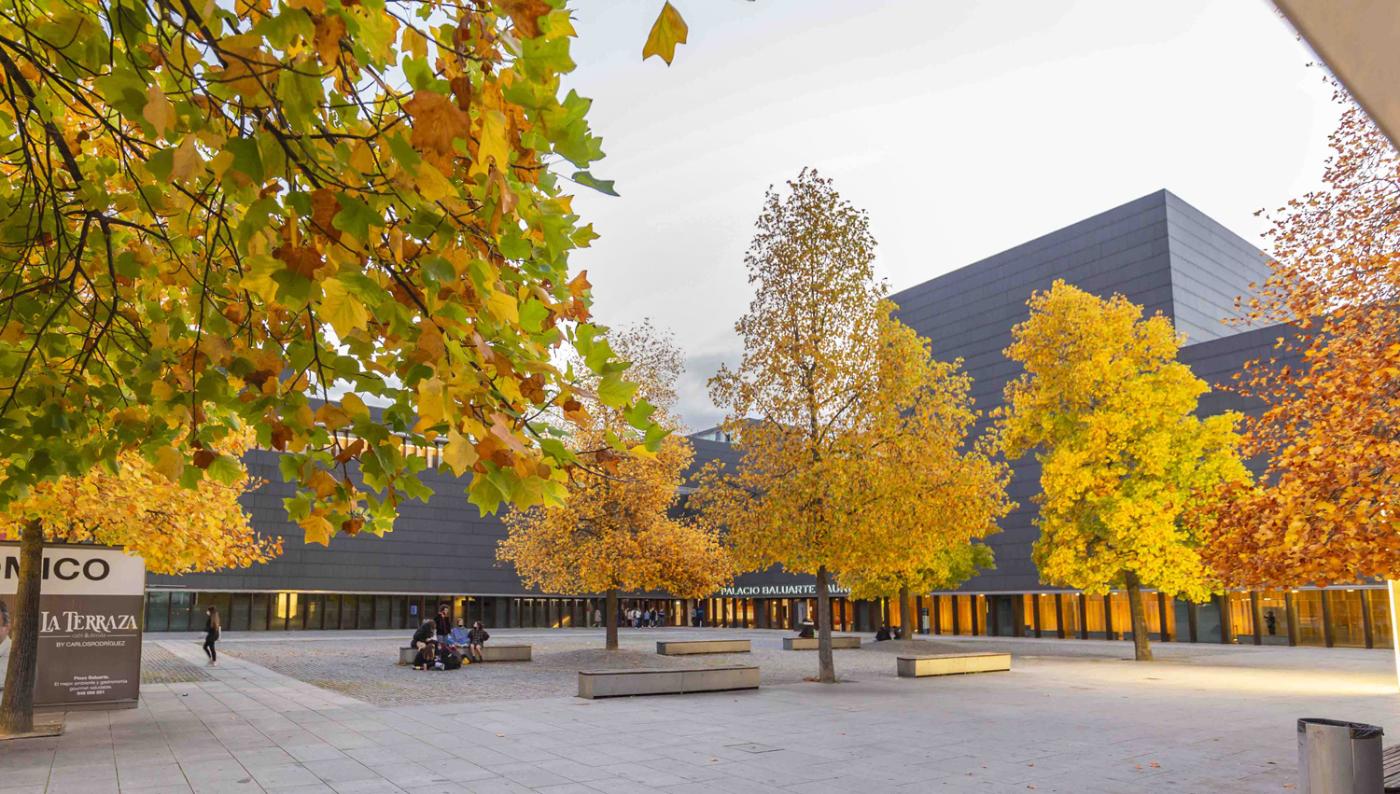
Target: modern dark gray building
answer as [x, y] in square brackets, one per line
[1158, 251]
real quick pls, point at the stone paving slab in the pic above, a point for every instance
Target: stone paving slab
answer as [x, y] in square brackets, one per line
[1218, 720]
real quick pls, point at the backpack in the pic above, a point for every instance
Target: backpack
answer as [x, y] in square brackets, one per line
[451, 661]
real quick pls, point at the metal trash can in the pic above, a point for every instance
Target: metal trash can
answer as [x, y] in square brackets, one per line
[1339, 757]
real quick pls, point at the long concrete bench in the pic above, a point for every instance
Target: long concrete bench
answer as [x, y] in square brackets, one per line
[952, 664]
[806, 644]
[692, 647]
[489, 653]
[625, 683]
[505, 653]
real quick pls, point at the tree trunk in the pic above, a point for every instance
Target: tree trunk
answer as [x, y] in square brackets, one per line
[907, 623]
[610, 618]
[1141, 650]
[17, 706]
[826, 667]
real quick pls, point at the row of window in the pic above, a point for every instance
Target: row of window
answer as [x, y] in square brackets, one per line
[1355, 617]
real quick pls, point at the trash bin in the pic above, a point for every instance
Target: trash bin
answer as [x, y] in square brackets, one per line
[1339, 757]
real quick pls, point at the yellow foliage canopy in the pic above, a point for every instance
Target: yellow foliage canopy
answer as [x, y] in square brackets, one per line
[1127, 468]
[616, 528]
[175, 529]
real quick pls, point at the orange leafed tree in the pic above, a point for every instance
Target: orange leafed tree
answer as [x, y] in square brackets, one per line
[617, 527]
[174, 528]
[1327, 509]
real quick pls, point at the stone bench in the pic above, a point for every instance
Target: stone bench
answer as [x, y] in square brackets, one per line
[952, 664]
[810, 644]
[679, 681]
[691, 647]
[489, 653]
[505, 653]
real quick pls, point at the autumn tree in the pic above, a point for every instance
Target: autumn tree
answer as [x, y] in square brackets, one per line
[175, 529]
[1328, 506]
[828, 408]
[929, 492]
[618, 527]
[1125, 462]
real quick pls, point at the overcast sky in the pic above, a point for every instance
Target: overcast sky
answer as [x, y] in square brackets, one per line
[963, 127]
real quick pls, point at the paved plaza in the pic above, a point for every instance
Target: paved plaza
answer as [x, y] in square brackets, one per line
[331, 713]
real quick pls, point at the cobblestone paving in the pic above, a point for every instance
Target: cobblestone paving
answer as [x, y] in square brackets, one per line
[159, 666]
[364, 666]
[365, 669]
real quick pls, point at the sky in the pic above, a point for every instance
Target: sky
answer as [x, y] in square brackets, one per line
[964, 128]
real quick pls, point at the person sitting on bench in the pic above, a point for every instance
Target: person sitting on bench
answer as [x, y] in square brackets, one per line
[476, 638]
[460, 637]
[424, 633]
[427, 656]
[883, 634]
[806, 630]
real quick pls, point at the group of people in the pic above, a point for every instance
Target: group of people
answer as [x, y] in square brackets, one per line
[645, 618]
[443, 646]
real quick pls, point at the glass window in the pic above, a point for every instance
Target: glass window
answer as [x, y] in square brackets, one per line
[1309, 607]
[1122, 616]
[283, 611]
[383, 615]
[964, 607]
[1181, 619]
[1241, 617]
[1069, 608]
[157, 611]
[364, 619]
[330, 609]
[1208, 621]
[239, 612]
[259, 614]
[1347, 616]
[311, 611]
[1049, 623]
[1274, 629]
[1380, 618]
[181, 605]
[1094, 617]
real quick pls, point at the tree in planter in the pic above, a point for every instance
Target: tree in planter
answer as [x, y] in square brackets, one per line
[175, 529]
[618, 527]
[1126, 465]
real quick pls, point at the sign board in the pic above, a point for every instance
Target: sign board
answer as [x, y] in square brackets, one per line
[89, 623]
[780, 590]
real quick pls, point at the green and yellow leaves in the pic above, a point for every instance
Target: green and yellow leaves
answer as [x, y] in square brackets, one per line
[284, 216]
[667, 31]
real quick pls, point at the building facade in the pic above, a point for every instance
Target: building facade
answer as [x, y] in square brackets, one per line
[1158, 251]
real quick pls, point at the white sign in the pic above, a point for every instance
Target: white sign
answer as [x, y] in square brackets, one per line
[78, 570]
[90, 600]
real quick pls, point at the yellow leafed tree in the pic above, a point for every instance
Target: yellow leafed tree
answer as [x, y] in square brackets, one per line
[618, 527]
[929, 492]
[1126, 465]
[848, 435]
[175, 529]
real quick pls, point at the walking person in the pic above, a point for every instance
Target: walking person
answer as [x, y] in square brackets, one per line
[212, 630]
